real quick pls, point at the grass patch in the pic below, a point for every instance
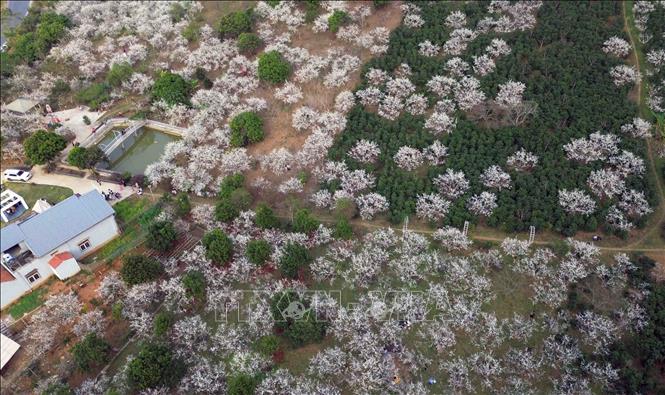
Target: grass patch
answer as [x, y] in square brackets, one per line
[130, 209]
[27, 303]
[31, 192]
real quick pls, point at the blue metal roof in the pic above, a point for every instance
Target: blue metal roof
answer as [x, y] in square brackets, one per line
[46, 231]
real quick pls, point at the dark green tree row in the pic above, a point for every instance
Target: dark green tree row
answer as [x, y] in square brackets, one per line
[566, 74]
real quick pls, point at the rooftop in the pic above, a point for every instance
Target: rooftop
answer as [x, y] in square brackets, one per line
[21, 105]
[46, 231]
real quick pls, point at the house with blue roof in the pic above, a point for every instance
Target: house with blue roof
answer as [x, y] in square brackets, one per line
[51, 242]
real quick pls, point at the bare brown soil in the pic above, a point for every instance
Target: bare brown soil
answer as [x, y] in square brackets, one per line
[279, 132]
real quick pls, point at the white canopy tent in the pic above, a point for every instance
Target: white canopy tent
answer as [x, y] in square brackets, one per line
[10, 203]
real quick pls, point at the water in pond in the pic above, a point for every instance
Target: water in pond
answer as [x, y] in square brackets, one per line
[146, 150]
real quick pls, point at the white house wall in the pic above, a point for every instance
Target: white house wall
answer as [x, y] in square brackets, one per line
[98, 235]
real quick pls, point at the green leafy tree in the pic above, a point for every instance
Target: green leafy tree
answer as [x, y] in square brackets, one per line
[182, 204]
[304, 222]
[78, 157]
[119, 73]
[231, 25]
[161, 236]
[230, 183]
[343, 229]
[163, 322]
[43, 146]
[249, 43]
[218, 246]
[265, 218]
[91, 351]
[258, 251]
[52, 27]
[242, 384]
[195, 284]
[155, 366]
[226, 211]
[85, 158]
[192, 31]
[294, 258]
[246, 127]
[138, 269]
[337, 19]
[94, 95]
[172, 89]
[273, 67]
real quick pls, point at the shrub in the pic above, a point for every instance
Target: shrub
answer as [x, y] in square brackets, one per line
[231, 25]
[182, 204]
[337, 19]
[242, 384]
[43, 146]
[60, 87]
[171, 88]
[58, 389]
[241, 199]
[86, 120]
[163, 322]
[311, 10]
[267, 345]
[304, 222]
[119, 73]
[265, 218]
[94, 95]
[246, 127]
[295, 256]
[273, 67]
[306, 330]
[90, 351]
[116, 311]
[218, 246]
[138, 269]
[249, 43]
[155, 366]
[195, 284]
[343, 230]
[192, 31]
[177, 12]
[230, 184]
[226, 211]
[258, 252]
[344, 208]
[161, 235]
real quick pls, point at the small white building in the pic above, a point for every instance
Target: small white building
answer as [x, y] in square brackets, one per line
[12, 205]
[23, 106]
[51, 243]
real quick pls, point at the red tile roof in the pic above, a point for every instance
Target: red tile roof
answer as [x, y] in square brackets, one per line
[5, 275]
[59, 258]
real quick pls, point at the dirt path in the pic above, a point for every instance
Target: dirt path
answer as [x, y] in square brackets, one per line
[659, 213]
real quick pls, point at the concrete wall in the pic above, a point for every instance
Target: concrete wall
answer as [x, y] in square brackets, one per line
[124, 146]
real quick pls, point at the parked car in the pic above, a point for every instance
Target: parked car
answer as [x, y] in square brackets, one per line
[17, 175]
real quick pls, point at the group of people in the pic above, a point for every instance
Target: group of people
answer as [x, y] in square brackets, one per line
[110, 195]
